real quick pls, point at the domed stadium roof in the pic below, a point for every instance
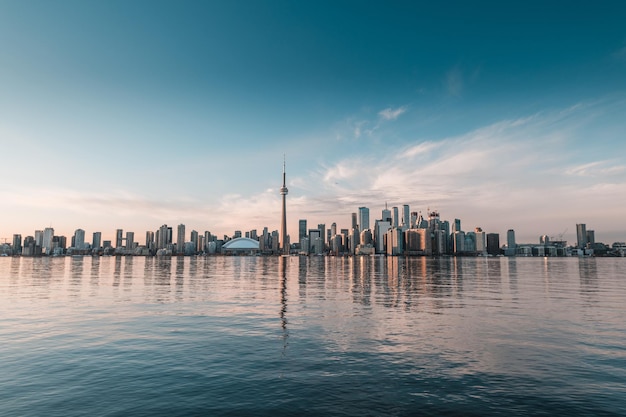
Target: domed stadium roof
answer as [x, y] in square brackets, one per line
[241, 243]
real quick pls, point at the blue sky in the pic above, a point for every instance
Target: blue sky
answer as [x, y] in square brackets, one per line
[134, 114]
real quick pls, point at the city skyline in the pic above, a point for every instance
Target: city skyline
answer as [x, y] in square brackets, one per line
[131, 115]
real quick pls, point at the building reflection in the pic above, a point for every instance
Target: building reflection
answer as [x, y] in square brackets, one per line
[179, 278]
[117, 271]
[128, 272]
[303, 267]
[588, 272]
[94, 278]
[282, 272]
[76, 275]
[512, 275]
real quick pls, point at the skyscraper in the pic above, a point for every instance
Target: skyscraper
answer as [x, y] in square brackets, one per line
[493, 244]
[301, 229]
[406, 217]
[364, 218]
[96, 241]
[118, 238]
[162, 237]
[180, 241]
[284, 248]
[355, 225]
[79, 239]
[149, 239]
[17, 244]
[386, 214]
[510, 238]
[323, 235]
[195, 237]
[456, 226]
[46, 244]
[396, 216]
[130, 241]
[581, 235]
[481, 240]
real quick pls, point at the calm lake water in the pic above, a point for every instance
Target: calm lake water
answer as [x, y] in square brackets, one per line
[312, 336]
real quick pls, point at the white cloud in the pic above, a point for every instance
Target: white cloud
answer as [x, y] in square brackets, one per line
[526, 173]
[391, 113]
[502, 175]
[596, 169]
[421, 149]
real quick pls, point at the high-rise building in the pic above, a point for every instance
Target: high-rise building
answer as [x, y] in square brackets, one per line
[97, 239]
[284, 248]
[316, 242]
[470, 242]
[406, 217]
[364, 218]
[456, 226]
[61, 241]
[414, 223]
[79, 239]
[39, 238]
[510, 238]
[323, 235]
[396, 214]
[46, 244]
[381, 228]
[493, 244]
[149, 239]
[130, 241]
[194, 240]
[481, 240]
[354, 222]
[161, 237]
[17, 244]
[386, 215]
[581, 235]
[458, 242]
[591, 237]
[333, 230]
[119, 237]
[180, 240]
[301, 229]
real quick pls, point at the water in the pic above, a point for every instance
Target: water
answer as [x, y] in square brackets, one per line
[312, 336]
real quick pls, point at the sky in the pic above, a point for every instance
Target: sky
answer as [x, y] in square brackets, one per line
[133, 114]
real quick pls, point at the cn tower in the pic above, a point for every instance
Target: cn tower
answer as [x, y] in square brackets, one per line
[284, 247]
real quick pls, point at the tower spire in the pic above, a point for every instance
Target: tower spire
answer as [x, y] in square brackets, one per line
[284, 246]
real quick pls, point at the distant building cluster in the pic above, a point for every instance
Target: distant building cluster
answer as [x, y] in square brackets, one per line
[398, 232]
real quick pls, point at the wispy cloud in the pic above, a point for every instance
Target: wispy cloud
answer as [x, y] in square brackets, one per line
[391, 113]
[366, 125]
[596, 169]
[492, 176]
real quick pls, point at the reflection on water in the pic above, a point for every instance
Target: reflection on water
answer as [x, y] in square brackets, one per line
[318, 335]
[389, 282]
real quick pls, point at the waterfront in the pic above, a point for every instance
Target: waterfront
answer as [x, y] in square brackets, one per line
[312, 336]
